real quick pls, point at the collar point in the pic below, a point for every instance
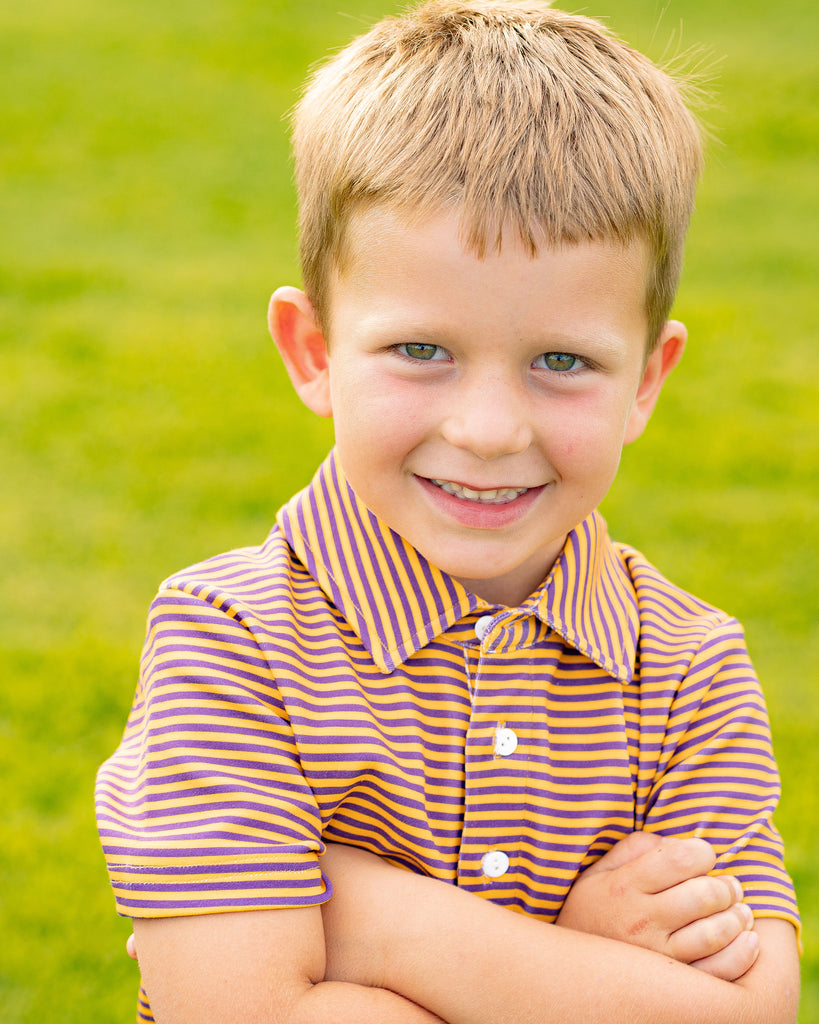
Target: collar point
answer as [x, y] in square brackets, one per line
[384, 662]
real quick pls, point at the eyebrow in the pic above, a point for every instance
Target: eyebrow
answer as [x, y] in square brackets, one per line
[419, 331]
[600, 343]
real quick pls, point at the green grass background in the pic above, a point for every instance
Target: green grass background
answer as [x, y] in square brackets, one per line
[145, 215]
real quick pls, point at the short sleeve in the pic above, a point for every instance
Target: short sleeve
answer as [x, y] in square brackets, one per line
[203, 807]
[717, 777]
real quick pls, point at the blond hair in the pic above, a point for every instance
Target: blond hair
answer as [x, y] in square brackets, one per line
[518, 115]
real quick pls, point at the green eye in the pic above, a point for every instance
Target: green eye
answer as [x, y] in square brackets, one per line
[559, 362]
[420, 351]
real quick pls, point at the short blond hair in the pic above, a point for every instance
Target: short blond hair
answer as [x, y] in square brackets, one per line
[516, 114]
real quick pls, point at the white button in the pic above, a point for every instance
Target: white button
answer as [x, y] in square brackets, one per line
[506, 742]
[495, 863]
[482, 626]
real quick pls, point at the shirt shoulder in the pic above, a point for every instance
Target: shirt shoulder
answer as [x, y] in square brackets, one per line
[255, 579]
[686, 645]
[663, 606]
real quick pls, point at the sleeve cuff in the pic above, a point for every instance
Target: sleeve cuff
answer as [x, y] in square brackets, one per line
[161, 886]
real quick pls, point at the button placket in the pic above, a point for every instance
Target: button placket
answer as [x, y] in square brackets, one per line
[491, 827]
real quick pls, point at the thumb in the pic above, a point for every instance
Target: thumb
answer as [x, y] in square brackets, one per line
[130, 946]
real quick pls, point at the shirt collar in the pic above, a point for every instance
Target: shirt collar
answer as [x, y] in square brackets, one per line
[393, 598]
[589, 599]
[397, 601]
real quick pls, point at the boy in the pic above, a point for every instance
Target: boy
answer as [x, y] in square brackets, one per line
[438, 657]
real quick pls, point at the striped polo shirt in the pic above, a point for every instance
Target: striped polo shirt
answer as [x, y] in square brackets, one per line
[332, 685]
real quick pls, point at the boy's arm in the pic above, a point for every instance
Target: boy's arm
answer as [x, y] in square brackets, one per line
[269, 965]
[255, 967]
[471, 961]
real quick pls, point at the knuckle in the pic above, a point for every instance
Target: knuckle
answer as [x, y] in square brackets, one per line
[640, 843]
[729, 963]
[717, 894]
[720, 930]
[675, 853]
[710, 939]
[693, 855]
[710, 936]
[706, 938]
[703, 853]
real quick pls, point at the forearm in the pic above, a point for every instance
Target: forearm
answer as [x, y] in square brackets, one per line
[470, 961]
[475, 962]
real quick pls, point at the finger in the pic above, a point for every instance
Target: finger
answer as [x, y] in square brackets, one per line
[710, 935]
[695, 899]
[674, 861]
[626, 850]
[733, 961]
[130, 946]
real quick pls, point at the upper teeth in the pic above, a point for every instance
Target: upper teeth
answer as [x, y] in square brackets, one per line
[497, 496]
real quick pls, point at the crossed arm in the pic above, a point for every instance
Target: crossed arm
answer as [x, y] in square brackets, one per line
[393, 947]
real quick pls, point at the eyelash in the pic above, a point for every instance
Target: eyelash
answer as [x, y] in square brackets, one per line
[582, 364]
[402, 351]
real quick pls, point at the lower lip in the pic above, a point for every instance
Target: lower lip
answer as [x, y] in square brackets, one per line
[479, 515]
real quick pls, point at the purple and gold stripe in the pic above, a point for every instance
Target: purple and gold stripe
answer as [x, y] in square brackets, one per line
[329, 686]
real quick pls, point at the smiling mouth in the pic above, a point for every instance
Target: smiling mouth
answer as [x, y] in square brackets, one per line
[495, 496]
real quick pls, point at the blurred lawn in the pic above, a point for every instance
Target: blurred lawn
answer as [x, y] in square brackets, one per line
[146, 215]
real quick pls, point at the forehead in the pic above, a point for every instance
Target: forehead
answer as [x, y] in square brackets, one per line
[397, 266]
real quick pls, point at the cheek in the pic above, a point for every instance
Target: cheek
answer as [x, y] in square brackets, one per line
[381, 418]
[590, 435]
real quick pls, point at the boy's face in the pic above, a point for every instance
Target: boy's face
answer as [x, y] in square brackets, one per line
[480, 405]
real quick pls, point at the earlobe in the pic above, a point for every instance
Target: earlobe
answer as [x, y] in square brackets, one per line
[665, 356]
[301, 345]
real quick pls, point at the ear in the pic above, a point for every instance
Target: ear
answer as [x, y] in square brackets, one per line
[664, 357]
[301, 345]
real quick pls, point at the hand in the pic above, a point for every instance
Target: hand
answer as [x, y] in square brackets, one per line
[657, 893]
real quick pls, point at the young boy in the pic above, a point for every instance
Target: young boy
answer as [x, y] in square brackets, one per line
[438, 661]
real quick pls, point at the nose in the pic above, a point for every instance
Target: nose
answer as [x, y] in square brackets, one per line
[488, 419]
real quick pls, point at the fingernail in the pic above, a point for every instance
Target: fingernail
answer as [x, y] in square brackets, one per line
[747, 913]
[736, 886]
